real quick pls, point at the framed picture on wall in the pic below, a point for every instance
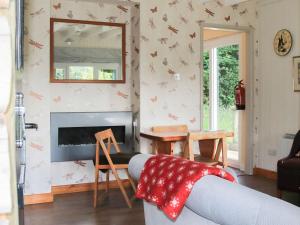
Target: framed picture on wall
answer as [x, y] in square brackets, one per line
[296, 63]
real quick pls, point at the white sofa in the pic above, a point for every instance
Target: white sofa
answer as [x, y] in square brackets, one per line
[216, 201]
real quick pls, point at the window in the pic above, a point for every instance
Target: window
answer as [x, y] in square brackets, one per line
[88, 71]
[107, 74]
[81, 72]
[59, 73]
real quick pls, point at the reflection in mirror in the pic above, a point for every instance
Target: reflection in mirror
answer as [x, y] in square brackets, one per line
[84, 51]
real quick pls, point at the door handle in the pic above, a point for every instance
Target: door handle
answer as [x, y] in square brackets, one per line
[31, 126]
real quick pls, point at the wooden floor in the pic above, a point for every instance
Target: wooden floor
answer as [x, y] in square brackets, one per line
[77, 209]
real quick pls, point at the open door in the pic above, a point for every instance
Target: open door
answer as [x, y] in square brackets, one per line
[224, 58]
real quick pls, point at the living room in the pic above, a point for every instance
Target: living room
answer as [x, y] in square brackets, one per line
[153, 76]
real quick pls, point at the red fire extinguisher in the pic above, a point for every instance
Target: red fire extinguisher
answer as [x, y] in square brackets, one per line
[240, 98]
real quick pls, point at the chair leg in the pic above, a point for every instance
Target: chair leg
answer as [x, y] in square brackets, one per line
[107, 181]
[96, 188]
[131, 181]
[121, 187]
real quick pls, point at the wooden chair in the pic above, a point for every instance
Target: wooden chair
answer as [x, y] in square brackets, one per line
[168, 147]
[211, 144]
[111, 161]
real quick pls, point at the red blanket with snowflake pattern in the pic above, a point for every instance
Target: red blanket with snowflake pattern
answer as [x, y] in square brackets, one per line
[167, 181]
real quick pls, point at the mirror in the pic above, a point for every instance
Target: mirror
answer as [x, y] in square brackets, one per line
[87, 52]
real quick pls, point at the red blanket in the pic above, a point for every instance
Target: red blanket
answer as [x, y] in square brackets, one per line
[167, 181]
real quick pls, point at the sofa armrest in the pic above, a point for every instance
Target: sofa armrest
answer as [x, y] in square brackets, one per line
[227, 203]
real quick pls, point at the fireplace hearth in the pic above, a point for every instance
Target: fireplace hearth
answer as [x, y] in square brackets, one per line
[72, 134]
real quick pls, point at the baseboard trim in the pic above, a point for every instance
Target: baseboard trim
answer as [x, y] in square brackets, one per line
[74, 188]
[67, 189]
[38, 198]
[265, 173]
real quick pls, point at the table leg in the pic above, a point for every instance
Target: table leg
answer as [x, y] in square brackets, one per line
[224, 152]
[162, 147]
[154, 147]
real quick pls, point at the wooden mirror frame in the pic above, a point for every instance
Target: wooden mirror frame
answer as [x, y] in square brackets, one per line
[52, 68]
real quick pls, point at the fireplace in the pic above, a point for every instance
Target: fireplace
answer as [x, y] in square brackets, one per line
[72, 134]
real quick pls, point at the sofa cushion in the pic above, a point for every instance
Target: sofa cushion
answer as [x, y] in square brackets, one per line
[290, 163]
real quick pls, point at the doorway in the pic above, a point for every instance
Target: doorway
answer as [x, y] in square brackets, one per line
[224, 65]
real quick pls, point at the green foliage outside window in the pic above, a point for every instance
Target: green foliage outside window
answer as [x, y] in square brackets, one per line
[107, 74]
[81, 72]
[228, 61]
[228, 75]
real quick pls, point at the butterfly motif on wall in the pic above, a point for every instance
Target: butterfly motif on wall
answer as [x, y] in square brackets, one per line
[144, 38]
[174, 46]
[57, 6]
[152, 69]
[193, 120]
[171, 72]
[57, 99]
[172, 3]
[193, 77]
[220, 3]
[163, 40]
[122, 8]
[112, 19]
[121, 94]
[154, 10]
[38, 12]
[91, 16]
[165, 17]
[192, 51]
[243, 12]
[209, 12]
[154, 54]
[70, 14]
[165, 61]
[183, 62]
[36, 95]
[173, 29]
[151, 23]
[227, 18]
[36, 146]
[136, 50]
[193, 35]
[235, 6]
[183, 19]
[154, 99]
[172, 116]
[190, 5]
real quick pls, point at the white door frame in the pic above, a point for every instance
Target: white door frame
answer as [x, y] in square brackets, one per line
[249, 83]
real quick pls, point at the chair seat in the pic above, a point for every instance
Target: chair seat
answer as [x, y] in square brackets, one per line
[207, 161]
[117, 158]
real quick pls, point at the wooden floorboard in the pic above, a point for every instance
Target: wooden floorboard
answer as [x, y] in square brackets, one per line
[77, 208]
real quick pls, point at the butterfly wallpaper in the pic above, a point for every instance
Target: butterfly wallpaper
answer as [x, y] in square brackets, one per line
[163, 38]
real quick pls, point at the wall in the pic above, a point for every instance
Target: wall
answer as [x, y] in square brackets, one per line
[279, 105]
[41, 97]
[165, 51]
[169, 43]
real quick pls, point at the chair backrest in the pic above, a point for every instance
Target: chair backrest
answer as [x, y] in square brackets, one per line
[170, 128]
[206, 140]
[102, 137]
[296, 145]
